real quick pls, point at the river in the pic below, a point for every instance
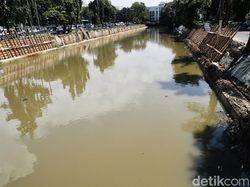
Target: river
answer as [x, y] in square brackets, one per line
[131, 110]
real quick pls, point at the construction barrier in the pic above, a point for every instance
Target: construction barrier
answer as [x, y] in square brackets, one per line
[211, 44]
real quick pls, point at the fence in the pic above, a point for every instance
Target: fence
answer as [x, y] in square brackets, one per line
[211, 44]
[15, 46]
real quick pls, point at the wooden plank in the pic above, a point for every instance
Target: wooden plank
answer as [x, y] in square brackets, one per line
[215, 49]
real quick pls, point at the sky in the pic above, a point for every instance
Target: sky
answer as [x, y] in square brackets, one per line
[128, 3]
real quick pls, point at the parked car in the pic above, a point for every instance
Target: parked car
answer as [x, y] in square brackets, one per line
[59, 30]
[89, 26]
[1, 31]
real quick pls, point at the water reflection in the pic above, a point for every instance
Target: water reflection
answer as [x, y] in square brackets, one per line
[47, 90]
[188, 79]
[35, 81]
[104, 92]
[183, 60]
[15, 159]
[138, 42]
[204, 115]
[71, 71]
[104, 56]
[187, 76]
[162, 38]
[25, 100]
[217, 156]
[186, 72]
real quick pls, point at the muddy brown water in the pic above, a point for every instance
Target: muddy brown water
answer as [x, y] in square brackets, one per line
[130, 110]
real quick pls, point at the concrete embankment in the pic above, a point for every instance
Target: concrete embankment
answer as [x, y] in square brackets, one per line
[18, 47]
[29, 66]
[226, 67]
[227, 70]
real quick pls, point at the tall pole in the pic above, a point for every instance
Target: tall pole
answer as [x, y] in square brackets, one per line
[247, 49]
[34, 5]
[37, 15]
[30, 17]
[3, 14]
[221, 7]
[98, 10]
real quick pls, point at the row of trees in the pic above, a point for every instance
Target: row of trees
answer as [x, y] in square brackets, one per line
[66, 12]
[13, 12]
[136, 13]
[99, 11]
[186, 12]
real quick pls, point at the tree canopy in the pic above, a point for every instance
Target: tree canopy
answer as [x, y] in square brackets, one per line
[186, 11]
[68, 12]
[13, 12]
[140, 12]
[102, 11]
[183, 12]
[125, 15]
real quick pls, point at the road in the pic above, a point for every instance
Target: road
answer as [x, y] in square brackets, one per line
[242, 36]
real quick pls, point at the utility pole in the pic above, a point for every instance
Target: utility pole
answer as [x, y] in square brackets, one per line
[30, 15]
[247, 49]
[36, 12]
[3, 14]
[221, 7]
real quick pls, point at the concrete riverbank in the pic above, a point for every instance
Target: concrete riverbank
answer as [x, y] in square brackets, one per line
[226, 68]
[24, 67]
[14, 48]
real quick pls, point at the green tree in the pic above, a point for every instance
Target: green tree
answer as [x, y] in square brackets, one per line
[13, 12]
[236, 10]
[102, 11]
[183, 12]
[248, 19]
[60, 11]
[233, 10]
[125, 15]
[55, 15]
[86, 13]
[167, 16]
[140, 12]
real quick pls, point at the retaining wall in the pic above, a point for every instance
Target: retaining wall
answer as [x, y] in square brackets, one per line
[208, 50]
[24, 67]
[17, 47]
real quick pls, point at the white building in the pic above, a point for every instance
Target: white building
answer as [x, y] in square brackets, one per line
[155, 12]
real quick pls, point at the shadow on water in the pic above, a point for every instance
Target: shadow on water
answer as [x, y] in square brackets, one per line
[183, 90]
[217, 156]
[186, 71]
[187, 78]
[184, 60]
